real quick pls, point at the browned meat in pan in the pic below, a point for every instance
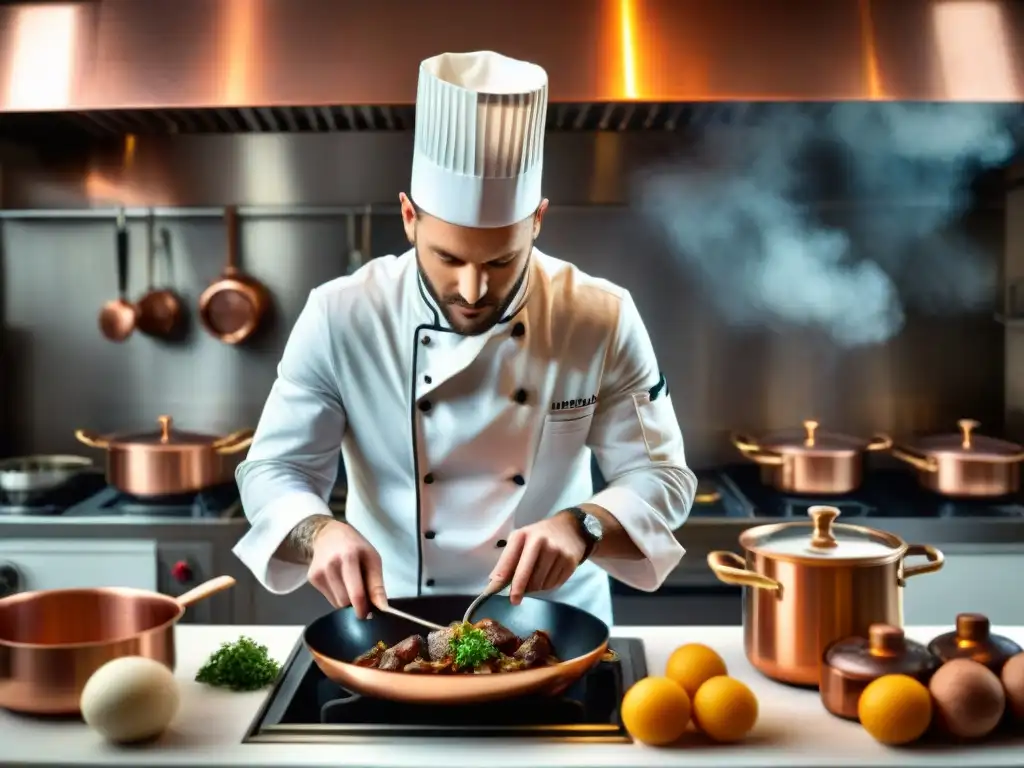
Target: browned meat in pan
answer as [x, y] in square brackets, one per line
[398, 656]
[502, 638]
[535, 649]
[372, 657]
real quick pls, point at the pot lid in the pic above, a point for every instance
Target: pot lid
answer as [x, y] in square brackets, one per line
[166, 435]
[822, 540]
[968, 445]
[811, 440]
[885, 651]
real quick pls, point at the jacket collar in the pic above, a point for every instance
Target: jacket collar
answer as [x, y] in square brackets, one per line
[431, 313]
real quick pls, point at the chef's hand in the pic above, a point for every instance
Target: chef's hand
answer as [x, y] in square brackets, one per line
[347, 569]
[540, 556]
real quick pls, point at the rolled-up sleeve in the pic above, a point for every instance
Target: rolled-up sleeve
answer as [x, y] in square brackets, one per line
[638, 445]
[293, 461]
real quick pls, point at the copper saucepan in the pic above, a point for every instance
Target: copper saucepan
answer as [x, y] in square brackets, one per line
[167, 461]
[809, 461]
[965, 464]
[812, 583]
[51, 641]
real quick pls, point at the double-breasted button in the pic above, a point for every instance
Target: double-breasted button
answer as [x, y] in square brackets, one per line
[428, 478]
[425, 341]
[519, 480]
[427, 379]
[518, 330]
[429, 535]
[500, 543]
[424, 405]
[430, 582]
[520, 396]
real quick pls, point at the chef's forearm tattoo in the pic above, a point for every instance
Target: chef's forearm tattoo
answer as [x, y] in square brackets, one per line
[297, 546]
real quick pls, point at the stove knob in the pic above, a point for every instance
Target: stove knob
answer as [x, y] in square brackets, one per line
[10, 580]
[181, 572]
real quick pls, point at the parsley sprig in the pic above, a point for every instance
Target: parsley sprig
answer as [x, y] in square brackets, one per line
[243, 665]
[471, 648]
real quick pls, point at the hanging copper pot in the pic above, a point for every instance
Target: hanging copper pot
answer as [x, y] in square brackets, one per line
[965, 464]
[168, 461]
[809, 461]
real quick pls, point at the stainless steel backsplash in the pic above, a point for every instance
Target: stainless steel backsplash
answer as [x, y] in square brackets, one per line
[59, 373]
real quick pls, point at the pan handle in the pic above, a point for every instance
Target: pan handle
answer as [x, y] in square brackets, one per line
[934, 556]
[922, 463]
[730, 569]
[880, 442]
[751, 450]
[235, 442]
[91, 439]
[205, 590]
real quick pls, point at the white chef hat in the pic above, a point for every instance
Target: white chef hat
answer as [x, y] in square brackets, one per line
[479, 145]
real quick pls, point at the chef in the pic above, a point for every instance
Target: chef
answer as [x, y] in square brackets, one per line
[467, 383]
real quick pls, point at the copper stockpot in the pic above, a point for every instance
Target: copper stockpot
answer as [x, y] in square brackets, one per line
[965, 464]
[809, 461]
[52, 641]
[167, 462]
[850, 665]
[812, 583]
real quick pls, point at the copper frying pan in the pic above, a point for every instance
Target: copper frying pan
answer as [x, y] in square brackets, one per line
[231, 308]
[51, 641]
[336, 639]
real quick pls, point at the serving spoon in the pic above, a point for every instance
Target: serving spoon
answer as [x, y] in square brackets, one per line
[489, 591]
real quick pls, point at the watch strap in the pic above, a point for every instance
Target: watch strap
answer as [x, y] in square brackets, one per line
[589, 538]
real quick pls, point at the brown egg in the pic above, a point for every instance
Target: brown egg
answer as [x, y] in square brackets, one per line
[968, 697]
[1013, 685]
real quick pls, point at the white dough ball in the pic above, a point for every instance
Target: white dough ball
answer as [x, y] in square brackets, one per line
[130, 699]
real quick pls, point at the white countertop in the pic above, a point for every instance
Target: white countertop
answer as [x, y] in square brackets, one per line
[793, 730]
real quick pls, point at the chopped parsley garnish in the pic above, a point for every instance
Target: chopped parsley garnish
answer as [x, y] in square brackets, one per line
[471, 648]
[243, 665]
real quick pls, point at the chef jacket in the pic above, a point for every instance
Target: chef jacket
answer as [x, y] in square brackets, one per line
[452, 442]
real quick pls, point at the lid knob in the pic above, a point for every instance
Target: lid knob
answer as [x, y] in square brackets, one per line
[822, 518]
[165, 428]
[972, 627]
[885, 640]
[966, 427]
[811, 426]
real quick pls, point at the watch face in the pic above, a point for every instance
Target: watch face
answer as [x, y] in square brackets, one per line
[593, 526]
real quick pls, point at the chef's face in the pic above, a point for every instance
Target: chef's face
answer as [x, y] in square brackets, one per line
[472, 274]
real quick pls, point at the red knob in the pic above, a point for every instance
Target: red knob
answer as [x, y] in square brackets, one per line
[181, 572]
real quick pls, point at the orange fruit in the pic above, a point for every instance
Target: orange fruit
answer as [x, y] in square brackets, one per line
[655, 711]
[725, 709]
[895, 709]
[692, 664]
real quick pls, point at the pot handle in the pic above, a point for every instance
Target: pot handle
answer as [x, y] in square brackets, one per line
[235, 442]
[880, 442]
[935, 560]
[730, 569]
[91, 439]
[205, 590]
[754, 452]
[923, 463]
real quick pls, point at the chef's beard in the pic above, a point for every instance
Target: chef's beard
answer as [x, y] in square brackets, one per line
[487, 321]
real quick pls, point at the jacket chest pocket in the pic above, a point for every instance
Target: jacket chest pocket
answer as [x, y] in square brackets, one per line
[562, 438]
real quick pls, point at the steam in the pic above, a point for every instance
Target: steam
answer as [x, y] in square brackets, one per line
[740, 219]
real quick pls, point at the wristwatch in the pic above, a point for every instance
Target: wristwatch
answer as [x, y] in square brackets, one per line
[590, 529]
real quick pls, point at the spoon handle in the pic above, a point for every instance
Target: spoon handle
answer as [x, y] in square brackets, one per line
[410, 617]
[490, 590]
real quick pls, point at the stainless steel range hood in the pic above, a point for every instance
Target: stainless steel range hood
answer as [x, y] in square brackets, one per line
[227, 66]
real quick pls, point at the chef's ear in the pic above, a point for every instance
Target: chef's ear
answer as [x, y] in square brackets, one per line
[538, 217]
[409, 216]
